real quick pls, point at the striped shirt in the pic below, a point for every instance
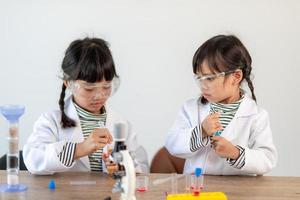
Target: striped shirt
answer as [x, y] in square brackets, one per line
[227, 112]
[88, 122]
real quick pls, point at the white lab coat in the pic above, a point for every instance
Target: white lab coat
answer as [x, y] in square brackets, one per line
[41, 151]
[250, 128]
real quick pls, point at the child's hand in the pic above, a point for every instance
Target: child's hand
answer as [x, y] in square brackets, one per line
[96, 140]
[110, 164]
[224, 148]
[211, 124]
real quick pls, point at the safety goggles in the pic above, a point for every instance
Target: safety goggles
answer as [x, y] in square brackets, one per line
[205, 82]
[94, 90]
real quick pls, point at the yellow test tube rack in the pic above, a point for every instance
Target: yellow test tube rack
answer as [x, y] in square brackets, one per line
[202, 196]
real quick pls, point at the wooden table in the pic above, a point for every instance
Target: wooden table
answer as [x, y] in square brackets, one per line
[235, 187]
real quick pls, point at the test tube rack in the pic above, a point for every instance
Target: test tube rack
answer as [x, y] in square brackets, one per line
[202, 196]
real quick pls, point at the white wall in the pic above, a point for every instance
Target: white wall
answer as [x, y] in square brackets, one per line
[152, 43]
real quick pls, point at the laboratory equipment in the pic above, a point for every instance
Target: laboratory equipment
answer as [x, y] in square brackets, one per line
[125, 176]
[142, 183]
[12, 113]
[195, 184]
[203, 196]
[192, 181]
[95, 90]
[51, 185]
[174, 183]
[189, 185]
[198, 182]
[217, 133]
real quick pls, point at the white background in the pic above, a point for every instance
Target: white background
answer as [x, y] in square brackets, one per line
[153, 43]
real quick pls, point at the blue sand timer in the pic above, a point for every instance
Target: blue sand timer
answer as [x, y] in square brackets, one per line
[12, 113]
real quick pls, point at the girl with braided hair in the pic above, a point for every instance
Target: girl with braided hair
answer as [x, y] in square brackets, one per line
[75, 137]
[223, 131]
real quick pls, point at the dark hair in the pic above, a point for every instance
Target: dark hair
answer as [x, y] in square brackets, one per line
[224, 53]
[90, 60]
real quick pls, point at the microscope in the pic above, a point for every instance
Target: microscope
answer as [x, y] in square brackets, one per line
[125, 176]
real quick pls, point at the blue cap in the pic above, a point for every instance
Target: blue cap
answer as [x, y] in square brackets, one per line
[51, 185]
[198, 171]
[218, 133]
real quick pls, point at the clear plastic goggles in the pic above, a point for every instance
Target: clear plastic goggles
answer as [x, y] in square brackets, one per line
[94, 90]
[205, 82]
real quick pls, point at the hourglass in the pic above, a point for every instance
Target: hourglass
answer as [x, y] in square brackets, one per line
[12, 113]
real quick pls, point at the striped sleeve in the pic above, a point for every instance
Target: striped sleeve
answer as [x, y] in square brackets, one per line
[197, 141]
[66, 156]
[240, 161]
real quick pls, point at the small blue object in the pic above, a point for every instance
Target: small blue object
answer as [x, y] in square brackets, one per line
[51, 185]
[198, 171]
[218, 133]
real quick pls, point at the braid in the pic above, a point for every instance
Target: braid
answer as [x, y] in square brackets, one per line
[250, 85]
[65, 120]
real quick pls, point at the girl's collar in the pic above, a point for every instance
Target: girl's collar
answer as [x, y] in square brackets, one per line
[86, 112]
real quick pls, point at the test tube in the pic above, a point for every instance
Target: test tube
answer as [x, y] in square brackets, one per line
[198, 182]
[174, 183]
[12, 113]
[189, 185]
[142, 183]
